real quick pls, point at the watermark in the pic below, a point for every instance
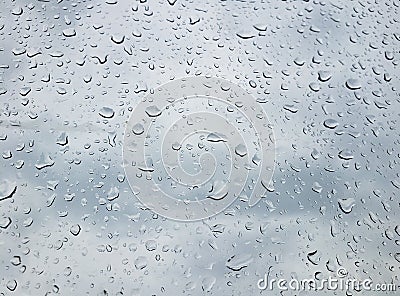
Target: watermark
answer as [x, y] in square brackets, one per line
[338, 283]
[194, 145]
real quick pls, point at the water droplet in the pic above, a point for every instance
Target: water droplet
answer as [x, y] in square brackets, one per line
[314, 86]
[324, 76]
[113, 193]
[260, 26]
[346, 205]
[140, 262]
[138, 129]
[241, 150]
[5, 222]
[12, 285]
[70, 32]
[246, 35]
[317, 187]
[16, 260]
[106, 112]
[153, 111]
[75, 229]
[216, 137]
[353, 84]
[118, 39]
[290, 108]
[7, 189]
[315, 154]
[17, 10]
[151, 245]
[252, 84]
[331, 123]
[238, 262]
[208, 283]
[346, 154]
[44, 162]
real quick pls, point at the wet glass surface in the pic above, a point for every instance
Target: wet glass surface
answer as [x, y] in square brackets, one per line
[71, 74]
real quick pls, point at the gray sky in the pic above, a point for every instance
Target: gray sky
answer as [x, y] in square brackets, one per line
[51, 84]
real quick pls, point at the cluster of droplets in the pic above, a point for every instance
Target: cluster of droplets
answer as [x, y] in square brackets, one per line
[71, 74]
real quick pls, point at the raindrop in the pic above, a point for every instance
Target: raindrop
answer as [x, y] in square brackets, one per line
[317, 187]
[346, 154]
[353, 84]
[238, 262]
[118, 39]
[70, 32]
[331, 123]
[17, 10]
[346, 205]
[290, 108]
[25, 91]
[140, 262]
[314, 86]
[7, 189]
[324, 76]
[138, 129]
[5, 222]
[12, 285]
[44, 162]
[75, 229]
[216, 137]
[245, 35]
[208, 283]
[151, 245]
[315, 154]
[241, 150]
[16, 260]
[106, 112]
[153, 111]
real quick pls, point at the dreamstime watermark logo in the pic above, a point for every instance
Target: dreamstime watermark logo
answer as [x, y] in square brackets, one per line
[338, 283]
[194, 145]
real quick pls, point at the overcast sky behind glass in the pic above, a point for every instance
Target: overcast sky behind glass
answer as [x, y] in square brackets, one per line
[325, 73]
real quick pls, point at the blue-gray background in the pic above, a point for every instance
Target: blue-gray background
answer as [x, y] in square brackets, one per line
[325, 72]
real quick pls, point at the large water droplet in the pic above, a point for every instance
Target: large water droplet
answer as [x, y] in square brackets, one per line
[331, 123]
[346, 205]
[241, 150]
[106, 112]
[353, 84]
[153, 111]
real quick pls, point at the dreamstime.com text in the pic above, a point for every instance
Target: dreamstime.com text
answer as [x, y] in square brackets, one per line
[338, 283]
